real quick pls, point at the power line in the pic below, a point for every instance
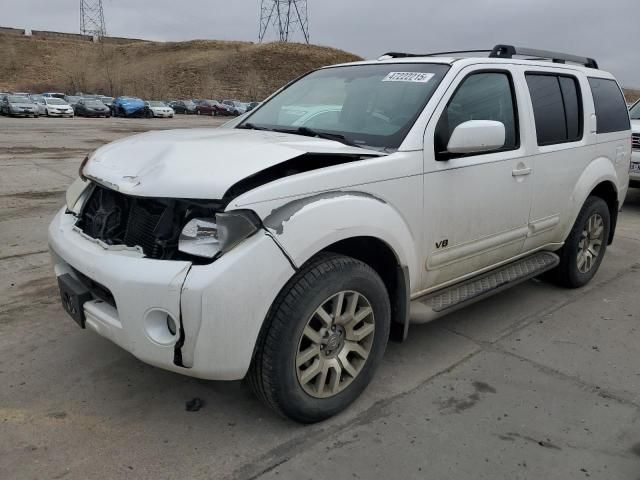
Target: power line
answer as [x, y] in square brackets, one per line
[286, 17]
[92, 18]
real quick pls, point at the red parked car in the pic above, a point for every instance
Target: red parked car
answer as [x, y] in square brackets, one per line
[211, 107]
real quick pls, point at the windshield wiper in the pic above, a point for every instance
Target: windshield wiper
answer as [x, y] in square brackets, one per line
[252, 126]
[310, 132]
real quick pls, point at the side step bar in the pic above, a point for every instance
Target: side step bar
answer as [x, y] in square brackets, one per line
[449, 299]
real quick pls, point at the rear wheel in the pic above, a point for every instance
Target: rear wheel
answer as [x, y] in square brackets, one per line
[585, 246]
[322, 340]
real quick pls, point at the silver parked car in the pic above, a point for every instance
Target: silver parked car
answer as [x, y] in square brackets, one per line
[16, 105]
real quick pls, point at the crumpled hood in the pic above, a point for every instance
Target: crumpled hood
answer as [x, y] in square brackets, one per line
[199, 163]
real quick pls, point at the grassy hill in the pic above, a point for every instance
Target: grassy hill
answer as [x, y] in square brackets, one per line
[194, 69]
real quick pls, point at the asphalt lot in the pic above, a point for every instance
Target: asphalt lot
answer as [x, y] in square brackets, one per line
[538, 382]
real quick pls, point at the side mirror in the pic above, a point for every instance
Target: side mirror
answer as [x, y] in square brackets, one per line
[477, 136]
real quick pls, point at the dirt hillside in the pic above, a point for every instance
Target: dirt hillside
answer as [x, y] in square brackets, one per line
[163, 70]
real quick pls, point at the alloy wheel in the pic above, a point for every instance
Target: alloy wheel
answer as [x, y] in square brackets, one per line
[335, 344]
[590, 243]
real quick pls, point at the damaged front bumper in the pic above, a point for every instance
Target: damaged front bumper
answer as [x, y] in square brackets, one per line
[218, 308]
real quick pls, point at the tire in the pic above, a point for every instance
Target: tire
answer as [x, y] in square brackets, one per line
[573, 272]
[46, 112]
[197, 112]
[274, 375]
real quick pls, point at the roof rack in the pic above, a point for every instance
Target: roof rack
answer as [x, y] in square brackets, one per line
[507, 51]
[409, 55]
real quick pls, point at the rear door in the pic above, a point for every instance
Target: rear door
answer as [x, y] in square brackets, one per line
[476, 206]
[562, 148]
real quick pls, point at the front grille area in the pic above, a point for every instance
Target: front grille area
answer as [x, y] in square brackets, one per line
[153, 224]
[635, 141]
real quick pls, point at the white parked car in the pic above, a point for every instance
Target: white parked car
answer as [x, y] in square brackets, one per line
[291, 254]
[54, 107]
[634, 172]
[159, 110]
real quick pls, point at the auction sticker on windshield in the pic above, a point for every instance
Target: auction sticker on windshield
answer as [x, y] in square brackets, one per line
[418, 77]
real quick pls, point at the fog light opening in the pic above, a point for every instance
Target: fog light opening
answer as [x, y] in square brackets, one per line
[161, 327]
[171, 325]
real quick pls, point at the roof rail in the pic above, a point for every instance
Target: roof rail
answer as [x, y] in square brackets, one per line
[409, 55]
[508, 51]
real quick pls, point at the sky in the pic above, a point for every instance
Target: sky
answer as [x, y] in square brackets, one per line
[607, 30]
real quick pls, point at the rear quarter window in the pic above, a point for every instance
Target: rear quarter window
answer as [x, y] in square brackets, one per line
[611, 110]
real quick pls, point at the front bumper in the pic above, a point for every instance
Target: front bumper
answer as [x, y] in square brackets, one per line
[22, 113]
[221, 306]
[53, 113]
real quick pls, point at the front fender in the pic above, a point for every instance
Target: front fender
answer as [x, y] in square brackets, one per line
[598, 171]
[307, 225]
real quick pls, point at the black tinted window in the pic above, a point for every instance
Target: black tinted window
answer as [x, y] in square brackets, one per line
[548, 109]
[557, 108]
[481, 96]
[572, 107]
[611, 109]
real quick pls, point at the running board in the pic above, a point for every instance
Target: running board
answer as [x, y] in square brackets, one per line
[449, 299]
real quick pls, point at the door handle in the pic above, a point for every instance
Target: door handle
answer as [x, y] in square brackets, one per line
[518, 172]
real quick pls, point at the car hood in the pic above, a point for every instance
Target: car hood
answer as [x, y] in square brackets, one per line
[200, 163]
[635, 126]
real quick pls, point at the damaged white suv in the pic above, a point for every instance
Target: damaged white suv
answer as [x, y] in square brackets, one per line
[291, 245]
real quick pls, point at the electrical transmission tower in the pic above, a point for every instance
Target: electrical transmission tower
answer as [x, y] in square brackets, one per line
[286, 16]
[92, 18]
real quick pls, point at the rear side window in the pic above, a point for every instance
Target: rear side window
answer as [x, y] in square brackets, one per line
[557, 108]
[611, 109]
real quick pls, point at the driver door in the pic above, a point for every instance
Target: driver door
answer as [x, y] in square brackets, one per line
[476, 206]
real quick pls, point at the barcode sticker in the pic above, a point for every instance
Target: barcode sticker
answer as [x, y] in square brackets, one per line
[415, 77]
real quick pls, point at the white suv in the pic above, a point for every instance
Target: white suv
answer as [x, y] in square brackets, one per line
[290, 252]
[634, 172]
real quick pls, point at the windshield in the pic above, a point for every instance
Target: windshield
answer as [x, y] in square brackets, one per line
[106, 99]
[56, 101]
[157, 104]
[73, 99]
[18, 99]
[93, 103]
[634, 112]
[369, 105]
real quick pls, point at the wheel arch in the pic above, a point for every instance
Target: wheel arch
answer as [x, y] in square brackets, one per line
[598, 179]
[356, 224]
[380, 256]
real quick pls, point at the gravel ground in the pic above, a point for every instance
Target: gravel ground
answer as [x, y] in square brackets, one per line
[539, 382]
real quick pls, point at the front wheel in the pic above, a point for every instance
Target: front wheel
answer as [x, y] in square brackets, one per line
[584, 249]
[322, 340]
